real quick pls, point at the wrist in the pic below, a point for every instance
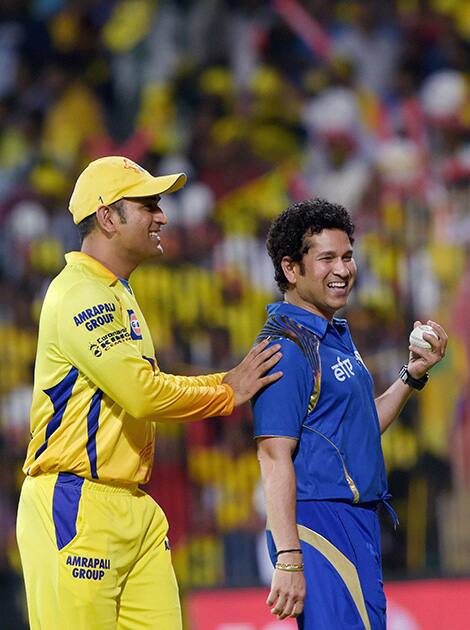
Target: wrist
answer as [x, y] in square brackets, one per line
[294, 557]
[290, 567]
[413, 381]
[414, 373]
[294, 551]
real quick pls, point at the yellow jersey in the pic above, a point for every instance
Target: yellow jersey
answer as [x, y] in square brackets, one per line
[98, 389]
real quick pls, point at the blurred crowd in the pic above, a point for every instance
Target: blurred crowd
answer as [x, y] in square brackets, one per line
[261, 103]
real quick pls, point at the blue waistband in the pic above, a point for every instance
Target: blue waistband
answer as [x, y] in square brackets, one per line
[384, 500]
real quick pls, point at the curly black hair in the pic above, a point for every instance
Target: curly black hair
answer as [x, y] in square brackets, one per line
[286, 236]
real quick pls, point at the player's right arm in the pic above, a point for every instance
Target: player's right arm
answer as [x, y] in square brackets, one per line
[277, 471]
[279, 411]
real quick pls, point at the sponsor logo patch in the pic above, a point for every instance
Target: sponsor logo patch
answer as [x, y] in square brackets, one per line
[109, 340]
[133, 166]
[113, 338]
[95, 349]
[136, 332]
[85, 568]
[342, 369]
[95, 316]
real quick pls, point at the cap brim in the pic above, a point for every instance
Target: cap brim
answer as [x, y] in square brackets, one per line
[157, 186]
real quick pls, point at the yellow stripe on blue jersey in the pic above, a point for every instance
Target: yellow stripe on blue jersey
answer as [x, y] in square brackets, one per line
[98, 389]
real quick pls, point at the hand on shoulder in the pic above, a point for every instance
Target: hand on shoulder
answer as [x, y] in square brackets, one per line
[249, 376]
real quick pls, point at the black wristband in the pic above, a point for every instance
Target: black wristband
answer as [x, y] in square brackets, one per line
[415, 383]
[278, 553]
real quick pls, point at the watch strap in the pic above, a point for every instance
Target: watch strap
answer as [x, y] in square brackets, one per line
[415, 383]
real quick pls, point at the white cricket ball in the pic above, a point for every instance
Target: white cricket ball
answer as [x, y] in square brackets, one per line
[416, 336]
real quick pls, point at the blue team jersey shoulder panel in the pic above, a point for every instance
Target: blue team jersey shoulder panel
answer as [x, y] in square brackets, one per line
[281, 408]
[280, 327]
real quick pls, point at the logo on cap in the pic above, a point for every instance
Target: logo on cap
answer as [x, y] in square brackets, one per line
[133, 166]
[136, 332]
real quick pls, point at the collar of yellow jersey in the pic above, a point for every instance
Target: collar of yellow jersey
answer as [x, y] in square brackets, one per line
[74, 258]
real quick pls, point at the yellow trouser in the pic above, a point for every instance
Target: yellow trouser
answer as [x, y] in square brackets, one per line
[95, 557]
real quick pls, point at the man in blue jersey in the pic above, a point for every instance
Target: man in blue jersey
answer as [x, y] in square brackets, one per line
[318, 430]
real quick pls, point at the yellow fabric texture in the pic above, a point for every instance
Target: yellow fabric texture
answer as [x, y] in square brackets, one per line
[98, 388]
[115, 574]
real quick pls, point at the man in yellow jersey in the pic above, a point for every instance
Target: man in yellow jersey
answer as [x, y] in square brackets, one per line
[93, 545]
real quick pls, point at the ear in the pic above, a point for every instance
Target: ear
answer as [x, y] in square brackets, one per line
[106, 219]
[290, 269]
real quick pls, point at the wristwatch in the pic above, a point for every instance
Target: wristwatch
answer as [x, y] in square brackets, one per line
[415, 383]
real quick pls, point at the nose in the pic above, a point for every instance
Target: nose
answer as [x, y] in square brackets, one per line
[160, 217]
[341, 269]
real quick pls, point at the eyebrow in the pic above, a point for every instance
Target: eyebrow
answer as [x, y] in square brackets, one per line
[331, 252]
[151, 203]
[145, 201]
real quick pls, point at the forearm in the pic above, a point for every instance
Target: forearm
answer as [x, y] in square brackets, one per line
[391, 402]
[277, 470]
[176, 401]
[155, 396]
[280, 495]
[206, 380]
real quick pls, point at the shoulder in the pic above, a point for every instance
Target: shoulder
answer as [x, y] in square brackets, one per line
[291, 334]
[76, 293]
[282, 326]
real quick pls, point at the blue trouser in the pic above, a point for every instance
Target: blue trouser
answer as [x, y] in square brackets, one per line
[342, 557]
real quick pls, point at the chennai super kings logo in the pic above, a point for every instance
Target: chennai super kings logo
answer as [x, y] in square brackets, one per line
[133, 166]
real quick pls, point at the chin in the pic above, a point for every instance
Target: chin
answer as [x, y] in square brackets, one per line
[338, 305]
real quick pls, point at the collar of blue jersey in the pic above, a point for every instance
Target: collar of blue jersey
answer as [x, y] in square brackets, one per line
[315, 323]
[74, 258]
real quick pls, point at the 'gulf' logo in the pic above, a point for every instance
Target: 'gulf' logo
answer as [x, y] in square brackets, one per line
[136, 332]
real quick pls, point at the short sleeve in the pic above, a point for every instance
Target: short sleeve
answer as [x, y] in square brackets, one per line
[280, 408]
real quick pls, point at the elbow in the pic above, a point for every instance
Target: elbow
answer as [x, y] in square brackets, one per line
[263, 456]
[275, 455]
[267, 462]
[138, 409]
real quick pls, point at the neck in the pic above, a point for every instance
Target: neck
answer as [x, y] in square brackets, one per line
[293, 298]
[104, 253]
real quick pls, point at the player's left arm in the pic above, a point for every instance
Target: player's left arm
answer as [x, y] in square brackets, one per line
[420, 361]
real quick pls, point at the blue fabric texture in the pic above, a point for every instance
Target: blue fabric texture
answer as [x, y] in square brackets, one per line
[354, 530]
[65, 504]
[60, 396]
[92, 425]
[325, 400]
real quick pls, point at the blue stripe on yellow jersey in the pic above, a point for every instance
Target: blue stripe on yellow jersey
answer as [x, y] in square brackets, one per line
[98, 388]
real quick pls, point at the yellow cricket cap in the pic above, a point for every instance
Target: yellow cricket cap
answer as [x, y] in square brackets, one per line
[111, 178]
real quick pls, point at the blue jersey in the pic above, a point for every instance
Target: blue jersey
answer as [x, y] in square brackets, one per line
[325, 400]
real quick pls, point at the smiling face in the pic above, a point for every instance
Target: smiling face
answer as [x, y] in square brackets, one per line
[322, 280]
[140, 222]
